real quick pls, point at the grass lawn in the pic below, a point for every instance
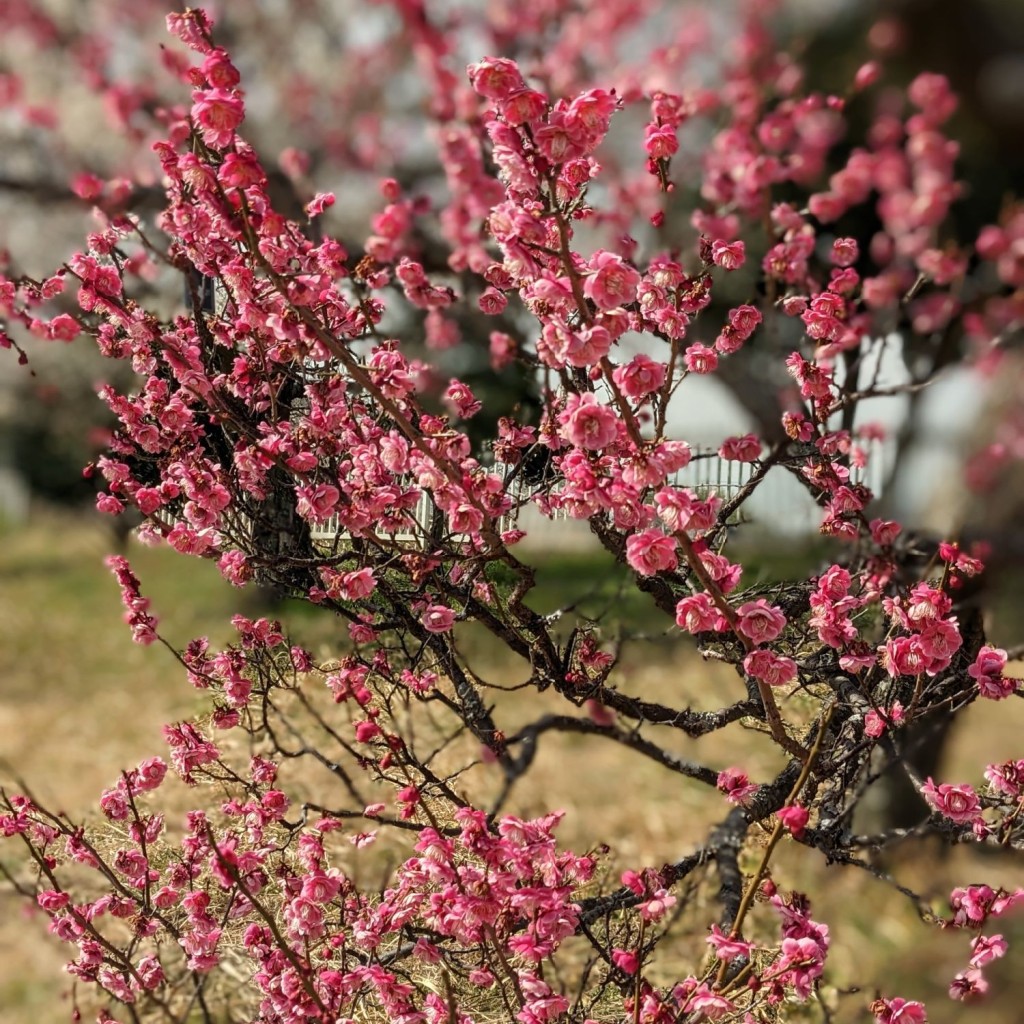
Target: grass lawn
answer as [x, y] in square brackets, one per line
[79, 702]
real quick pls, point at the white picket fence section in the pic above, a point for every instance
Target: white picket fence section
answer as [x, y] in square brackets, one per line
[779, 503]
[419, 524]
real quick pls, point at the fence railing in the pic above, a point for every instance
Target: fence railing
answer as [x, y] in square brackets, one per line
[779, 503]
[707, 472]
[425, 522]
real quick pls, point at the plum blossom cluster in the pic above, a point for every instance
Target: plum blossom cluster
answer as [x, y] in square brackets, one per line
[327, 382]
[994, 812]
[476, 888]
[973, 907]
[137, 615]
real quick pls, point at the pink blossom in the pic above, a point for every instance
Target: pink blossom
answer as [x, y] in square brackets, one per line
[320, 202]
[987, 672]
[744, 320]
[234, 567]
[626, 960]
[634, 882]
[736, 786]
[149, 774]
[495, 77]
[63, 327]
[200, 943]
[545, 1008]
[884, 532]
[727, 947]
[958, 803]
[660, 141]
[640, 377]
[960, 561]
[701, 359]
[674, 455]
[1006, 778]
[867, 74]
[317, 502]
[971, 905]
[304, 918]
[356, 585]
[802, 962]
[492, 301]
[826, 206]
[587, 423]
[967, 984]
[218, 113]
[741, 449]
[926, 603]
[218, 70]
[986, 948]
[557, 140]
[366, 731]
[87, 186]
[932, 93]
[939, 641]
[502, 349]
[612, 282]
[590, 114]
[857, 661]
[875, 722]
[585, 347]
[52, 901]
[109, 505]
[725, 573]
[708, 1004]
[903, 656]
[674, 507]
[794, 819]
[997, 687]
[898, 1011]
[655, 908]
[835, 582]
[728, 255]
[190, 750]
[524, 106]
[769, 667]
[845, 252]
[482, 977]
[698, 614]
[759, 621]
[651, 552]
[361, 633]
[728, 341]
[437, 618]
[192, 27]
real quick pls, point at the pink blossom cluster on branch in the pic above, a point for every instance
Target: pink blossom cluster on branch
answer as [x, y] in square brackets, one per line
[292, 400]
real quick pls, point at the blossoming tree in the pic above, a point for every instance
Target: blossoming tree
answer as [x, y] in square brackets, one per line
[285, 398]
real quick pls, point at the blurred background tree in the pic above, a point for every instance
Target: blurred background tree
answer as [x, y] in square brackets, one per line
[338, 96]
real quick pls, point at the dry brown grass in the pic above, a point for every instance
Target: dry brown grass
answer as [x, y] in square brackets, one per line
[79, 702]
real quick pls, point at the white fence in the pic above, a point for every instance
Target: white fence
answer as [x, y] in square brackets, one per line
[779, 504]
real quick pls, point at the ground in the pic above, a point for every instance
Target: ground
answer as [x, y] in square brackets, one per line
[79, 702]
